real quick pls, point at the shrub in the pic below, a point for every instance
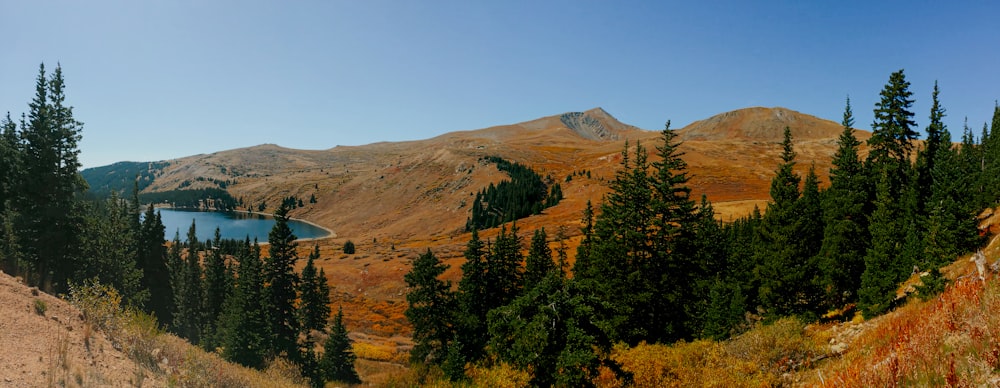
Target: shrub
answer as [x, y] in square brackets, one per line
[40, 307]
[349, 247]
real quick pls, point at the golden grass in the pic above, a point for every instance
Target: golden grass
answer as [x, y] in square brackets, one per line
[156, 352]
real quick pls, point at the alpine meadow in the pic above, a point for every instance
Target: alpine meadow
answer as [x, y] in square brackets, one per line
[758, 247]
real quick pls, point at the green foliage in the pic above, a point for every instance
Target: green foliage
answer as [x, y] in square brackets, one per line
[209, 198]
[120, 177]
[539, 262]
[40, 307]
[247, 334]
[218, 285]
[314, 305]
[109, 249]
[50, 220]
[521, 196]
[931, 284]
[786, 263]
[550, 332]
[337, 363]
[473, 305]
[845, 232]
[431, 305]
[349, 247]
[152, 261]
[189, 291]
[640, 256]
[282, 285]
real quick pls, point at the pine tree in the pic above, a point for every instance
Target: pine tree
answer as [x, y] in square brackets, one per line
[845, 231]
[879, 280]
[550, 332]
[504, 275]
[935, 143]
[539, 262]
[246, 338]
[783, 266]
[314, 307]
[473, 305]
[282, 284]
[431, 305]
[50, 215]
[109, 247]
[217, 289]
[337, 363]
[189, 317]
[152, 260]
[892, 132]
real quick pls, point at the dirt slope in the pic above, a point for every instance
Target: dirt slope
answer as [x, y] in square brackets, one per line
[55, 347]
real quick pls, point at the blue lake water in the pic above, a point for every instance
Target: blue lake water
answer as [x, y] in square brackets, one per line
[232, 225]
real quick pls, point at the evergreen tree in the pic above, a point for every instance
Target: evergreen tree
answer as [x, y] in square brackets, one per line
[937, 141]
[892, 132]
[337, 363]
[785, 264]
[473, 305]
[725, 311]
[152, 260]
[50, 217]
[845, 232]
[282, 284]
[431, 305]
[217, 289]
[549, 331]
[189, 317]
[10, 169]
[109, 246]
[539, 262]
[247, 334]
[504, 277]
[880, 278]
[314, 307]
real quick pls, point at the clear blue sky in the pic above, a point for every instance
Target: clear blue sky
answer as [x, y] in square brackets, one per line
[156, 80]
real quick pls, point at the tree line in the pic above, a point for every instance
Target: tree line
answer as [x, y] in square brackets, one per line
[223, 295]
[655, 266]
[524, 194]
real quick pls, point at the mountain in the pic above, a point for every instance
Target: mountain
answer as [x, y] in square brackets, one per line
[396, 199]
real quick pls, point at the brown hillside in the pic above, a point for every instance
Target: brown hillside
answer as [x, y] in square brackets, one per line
[395, 200]
[52, 346]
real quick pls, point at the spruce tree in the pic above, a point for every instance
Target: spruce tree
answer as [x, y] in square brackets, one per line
[337, 363]
[539, 262]
[845, 230]
[189, 317]
[504, 274]
[784, 267]
[550, 332]
[246, 338]
[880, 278]
[217, 289]
[282, 284]
[472, 302]
[431, 306]
[50, 217]
[314, 305]
[152, 260]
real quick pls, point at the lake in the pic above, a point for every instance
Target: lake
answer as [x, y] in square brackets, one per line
[232, 225]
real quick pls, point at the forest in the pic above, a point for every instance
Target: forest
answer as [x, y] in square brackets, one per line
[218, 294]
[524, 194]
[655, 266]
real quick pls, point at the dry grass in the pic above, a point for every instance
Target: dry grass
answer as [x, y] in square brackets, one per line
[952, 340]
[153, 352]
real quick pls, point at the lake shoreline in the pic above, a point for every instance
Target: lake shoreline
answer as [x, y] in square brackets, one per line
[329, 232]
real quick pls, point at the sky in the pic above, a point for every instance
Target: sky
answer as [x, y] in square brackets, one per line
[156, 80]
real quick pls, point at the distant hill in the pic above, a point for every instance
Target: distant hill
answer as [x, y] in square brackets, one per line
[120, 177]
[422, 189]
